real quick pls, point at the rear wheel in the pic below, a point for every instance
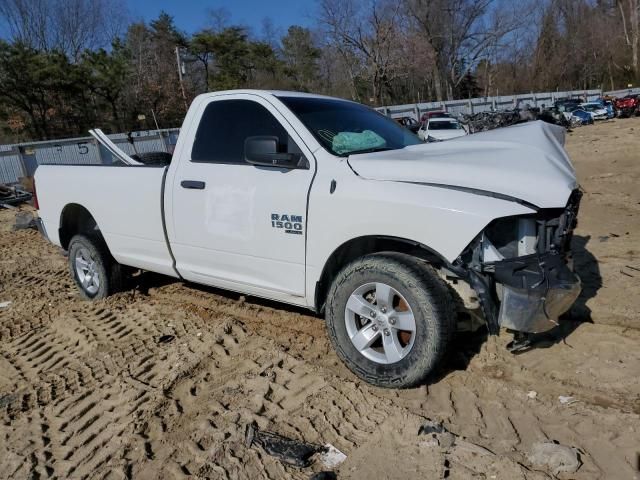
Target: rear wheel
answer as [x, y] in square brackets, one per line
[94, 270]
[390, 319]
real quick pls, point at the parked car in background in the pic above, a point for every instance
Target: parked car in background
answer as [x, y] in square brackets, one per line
[627, 106]
[440, 113]
[611, 111]
[572, 112]
[596, 109]
[607, 104]
[438, 129]
[409, 123]
[567, 104]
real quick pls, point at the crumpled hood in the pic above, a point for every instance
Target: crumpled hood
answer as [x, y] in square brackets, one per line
[526, 161]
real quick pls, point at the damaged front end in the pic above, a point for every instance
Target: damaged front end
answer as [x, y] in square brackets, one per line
[521, 269]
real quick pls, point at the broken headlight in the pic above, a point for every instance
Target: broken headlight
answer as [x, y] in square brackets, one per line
[509, 237]
[548, 230]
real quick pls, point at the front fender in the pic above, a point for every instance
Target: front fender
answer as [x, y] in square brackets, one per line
[443, 220]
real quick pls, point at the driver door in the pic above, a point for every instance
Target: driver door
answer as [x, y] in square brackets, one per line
[236, 225]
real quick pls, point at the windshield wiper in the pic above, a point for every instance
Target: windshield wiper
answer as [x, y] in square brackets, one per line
[371, 150]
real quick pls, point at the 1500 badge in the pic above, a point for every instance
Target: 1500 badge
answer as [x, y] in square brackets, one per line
[289, 223]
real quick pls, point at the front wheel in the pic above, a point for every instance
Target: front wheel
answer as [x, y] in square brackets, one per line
[94, 270]
[390, 319]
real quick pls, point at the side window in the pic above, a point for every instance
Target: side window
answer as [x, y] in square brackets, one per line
[224, 126]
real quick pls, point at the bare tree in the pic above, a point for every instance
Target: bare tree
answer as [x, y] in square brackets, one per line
[581, 45]
[460, 33]
[368, 35]
[70, 26]
[270, 33]
[219, 18]
[630, 15]
[26, 21]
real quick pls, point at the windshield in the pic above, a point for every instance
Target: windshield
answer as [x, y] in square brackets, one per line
[444, 125]
[344, 127]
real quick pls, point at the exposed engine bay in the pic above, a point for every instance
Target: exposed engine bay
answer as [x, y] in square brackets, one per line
[521, 269]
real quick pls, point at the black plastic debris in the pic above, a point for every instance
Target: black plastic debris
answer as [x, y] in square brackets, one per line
[166, 339]
[437, 435]
[13, 195]
[522, 342]
[292, 452]
[430, 427]
[324, 476]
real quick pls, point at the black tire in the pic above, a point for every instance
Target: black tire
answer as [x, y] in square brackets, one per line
[108, 271]
[153, 158]
[429, 300]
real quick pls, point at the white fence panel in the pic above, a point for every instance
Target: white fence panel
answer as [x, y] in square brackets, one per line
[484, 104]
[11, 167]
[19, 160]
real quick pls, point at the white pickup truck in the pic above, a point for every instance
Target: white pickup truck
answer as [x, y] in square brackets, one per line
[327, 204]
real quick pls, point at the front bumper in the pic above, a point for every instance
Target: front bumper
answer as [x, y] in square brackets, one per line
[534, 311]
[537, 289]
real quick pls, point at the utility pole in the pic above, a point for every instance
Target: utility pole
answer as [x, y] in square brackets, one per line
[184, 96]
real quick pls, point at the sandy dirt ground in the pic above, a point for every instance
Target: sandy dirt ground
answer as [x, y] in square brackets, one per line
[98, 390]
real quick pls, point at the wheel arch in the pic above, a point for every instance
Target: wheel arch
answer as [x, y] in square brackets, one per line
[75, 219]
[367, 245]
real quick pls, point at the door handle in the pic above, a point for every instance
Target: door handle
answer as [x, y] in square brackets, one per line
[192, 184]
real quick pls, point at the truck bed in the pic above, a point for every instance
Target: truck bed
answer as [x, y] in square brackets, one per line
[126, 201]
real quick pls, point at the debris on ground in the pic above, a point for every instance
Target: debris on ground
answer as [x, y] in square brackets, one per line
[555, 457]
[11, 195]
[166, 338]
[567, 400]
[25, 221]
[532, 394]
[5, 304]
[438, 435]
[430, 427]
[324, 476]
[483, 121]
[287, 450]
[331, 457]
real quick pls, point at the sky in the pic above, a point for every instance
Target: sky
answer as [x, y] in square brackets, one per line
[191, 15]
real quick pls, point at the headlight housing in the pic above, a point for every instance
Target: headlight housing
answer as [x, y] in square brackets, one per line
[549, 230]
[512, 237]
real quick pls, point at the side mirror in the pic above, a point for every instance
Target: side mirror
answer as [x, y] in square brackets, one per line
[263, 151]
